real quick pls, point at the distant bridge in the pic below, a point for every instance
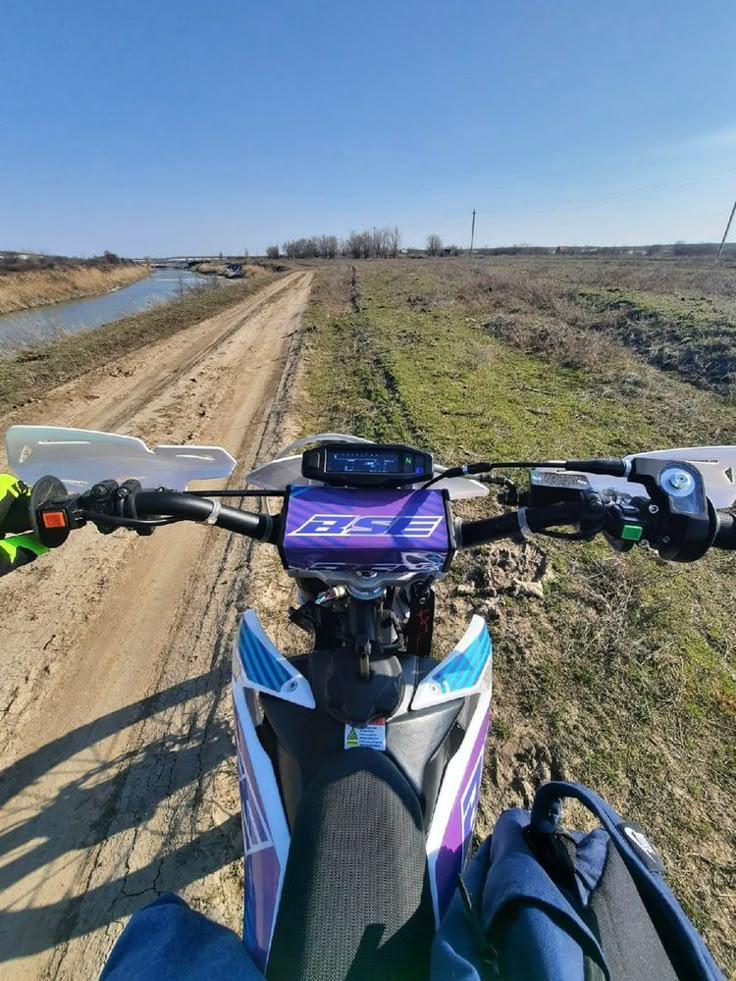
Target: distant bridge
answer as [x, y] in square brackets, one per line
[181, 261]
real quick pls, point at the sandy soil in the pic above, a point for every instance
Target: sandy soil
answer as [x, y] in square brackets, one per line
[118, 778]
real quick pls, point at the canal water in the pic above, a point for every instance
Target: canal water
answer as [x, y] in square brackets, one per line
[28, 328]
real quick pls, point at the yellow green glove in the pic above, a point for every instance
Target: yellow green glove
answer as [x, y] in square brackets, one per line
[23, 546]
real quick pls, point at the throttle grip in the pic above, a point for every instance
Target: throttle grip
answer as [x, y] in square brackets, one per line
[726, 533]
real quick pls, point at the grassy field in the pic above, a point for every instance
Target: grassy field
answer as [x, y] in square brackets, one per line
[680, 315]
[619, 671]
[19, 290]
[29, 374]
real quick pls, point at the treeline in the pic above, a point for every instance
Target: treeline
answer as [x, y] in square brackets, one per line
[676, 249]
[25, 261]
[373, 243]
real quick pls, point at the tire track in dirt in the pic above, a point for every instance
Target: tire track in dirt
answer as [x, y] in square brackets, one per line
[120, 782]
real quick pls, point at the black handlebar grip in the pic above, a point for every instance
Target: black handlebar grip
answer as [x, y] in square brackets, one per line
[562, 513]
[472, 533]
[726, 533]
[180, 505]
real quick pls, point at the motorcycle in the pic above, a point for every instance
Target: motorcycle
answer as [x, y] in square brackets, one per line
[360, 763]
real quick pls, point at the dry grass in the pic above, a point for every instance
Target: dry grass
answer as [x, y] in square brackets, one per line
[698, 276]
[680, 315]
[20, 290]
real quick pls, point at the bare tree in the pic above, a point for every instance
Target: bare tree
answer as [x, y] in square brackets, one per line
[302, 248]
[327, 246]
[384, 241]
[379, 242]
[434, 244]
[394, 241]
[354, 243]
[375, 241]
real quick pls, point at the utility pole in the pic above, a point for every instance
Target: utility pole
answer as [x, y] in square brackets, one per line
[725, 234]
[472, 235]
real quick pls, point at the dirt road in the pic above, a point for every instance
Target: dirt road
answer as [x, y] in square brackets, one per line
[118, 780]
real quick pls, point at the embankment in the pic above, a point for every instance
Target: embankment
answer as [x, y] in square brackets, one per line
[20, 290]
[29, 374]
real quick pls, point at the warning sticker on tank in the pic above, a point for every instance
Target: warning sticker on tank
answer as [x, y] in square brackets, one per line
[372, 736]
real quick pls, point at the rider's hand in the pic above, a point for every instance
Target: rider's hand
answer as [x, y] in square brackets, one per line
[15, 519]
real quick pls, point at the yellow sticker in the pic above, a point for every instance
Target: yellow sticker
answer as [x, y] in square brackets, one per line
[371, 736]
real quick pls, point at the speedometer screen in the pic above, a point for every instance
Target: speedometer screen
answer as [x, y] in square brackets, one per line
[366, 464]
[364, 461]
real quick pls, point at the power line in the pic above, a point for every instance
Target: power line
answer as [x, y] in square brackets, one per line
[472, 235]
[623, 195]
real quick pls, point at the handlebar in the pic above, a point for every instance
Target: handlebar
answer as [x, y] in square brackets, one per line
[623, 521]
[639, 521]
[725, 537]
[174, 504]
[525, 521]
[472, 533]
[109, 506]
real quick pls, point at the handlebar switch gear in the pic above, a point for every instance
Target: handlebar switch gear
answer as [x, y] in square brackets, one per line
[102, 500]
[125, 504]
[625, 526]
[52, 511]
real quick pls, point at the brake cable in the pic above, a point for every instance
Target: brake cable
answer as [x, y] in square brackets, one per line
[470, 469]
[114, 521]
[608, 468]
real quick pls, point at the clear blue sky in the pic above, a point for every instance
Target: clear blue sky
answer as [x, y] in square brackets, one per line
[154, 127]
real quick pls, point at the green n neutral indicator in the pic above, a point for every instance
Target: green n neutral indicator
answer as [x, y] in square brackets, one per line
[631, 533]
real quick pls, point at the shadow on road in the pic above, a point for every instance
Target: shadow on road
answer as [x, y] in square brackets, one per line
[121, 791]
